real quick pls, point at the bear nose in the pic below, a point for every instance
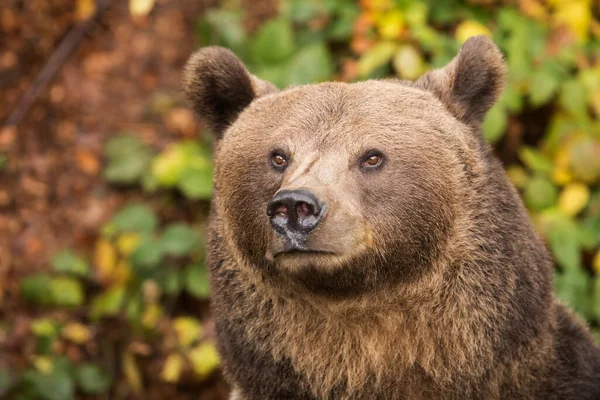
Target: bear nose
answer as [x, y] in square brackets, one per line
[295, 211]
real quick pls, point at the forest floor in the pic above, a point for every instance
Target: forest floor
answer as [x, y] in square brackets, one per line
[124, 75]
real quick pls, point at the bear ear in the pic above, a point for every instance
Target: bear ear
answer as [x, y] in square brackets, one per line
[220, 87]
[471, 83]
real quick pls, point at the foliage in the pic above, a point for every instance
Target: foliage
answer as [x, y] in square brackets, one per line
[143, 264]
[137, 270]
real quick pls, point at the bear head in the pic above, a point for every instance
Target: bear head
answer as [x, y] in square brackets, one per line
[345, 188]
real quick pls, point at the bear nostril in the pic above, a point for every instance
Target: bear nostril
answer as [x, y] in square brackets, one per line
[281, 211]
[304, 209]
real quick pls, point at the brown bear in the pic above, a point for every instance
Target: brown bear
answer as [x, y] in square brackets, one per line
[364, 242]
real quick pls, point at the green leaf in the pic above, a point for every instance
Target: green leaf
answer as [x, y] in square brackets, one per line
[171, 282]
[535, 160]
[128, 158]
[91, 379]
[66, 292]
[55, 386]
[3, 161]
[512, 99]
[36, 289]
[543, 86]
[565, 243]
[134, 218]
[134, 308]
[178, 239]
[573, 99]
[168, 166]
[540, 193]
[196, 184]
[310, 64]
[68, 263]
[224, 28]
[596, 298]
[44, 327]
[573, 287]
[494, 124]
[196, 281]
[375, 57]
[7, 382]
[147, 255]
[273, 43]
[108, 303]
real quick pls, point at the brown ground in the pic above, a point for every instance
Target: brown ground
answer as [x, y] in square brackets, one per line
[123, 76]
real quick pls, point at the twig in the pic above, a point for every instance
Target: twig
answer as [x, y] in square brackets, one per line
[60, 55]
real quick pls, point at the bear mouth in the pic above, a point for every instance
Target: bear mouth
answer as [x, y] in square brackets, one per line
[297, 250]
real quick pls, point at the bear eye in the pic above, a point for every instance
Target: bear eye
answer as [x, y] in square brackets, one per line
[278, 161]
[372, 159]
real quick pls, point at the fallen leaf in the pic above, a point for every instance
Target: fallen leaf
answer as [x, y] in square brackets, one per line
[138, 8]
[188, 330]
[105, 259]
[77, 333]
[84, 9]
[87, 161]
[132, 372]
[172, 369]
[204, 359]
[128, 242]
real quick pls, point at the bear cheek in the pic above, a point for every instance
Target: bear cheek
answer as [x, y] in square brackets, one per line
[245, 188]
[411, 222]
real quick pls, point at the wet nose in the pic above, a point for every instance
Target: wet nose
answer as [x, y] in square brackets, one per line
[295, 211]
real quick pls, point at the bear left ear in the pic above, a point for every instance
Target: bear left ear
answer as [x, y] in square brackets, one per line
[220, 87]
[471, 83]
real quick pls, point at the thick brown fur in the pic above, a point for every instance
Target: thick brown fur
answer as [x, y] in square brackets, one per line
[435, 285]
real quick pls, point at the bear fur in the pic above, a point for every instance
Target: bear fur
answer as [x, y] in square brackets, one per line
[429, 281]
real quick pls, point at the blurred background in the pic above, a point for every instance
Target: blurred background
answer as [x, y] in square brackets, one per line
[105, 174]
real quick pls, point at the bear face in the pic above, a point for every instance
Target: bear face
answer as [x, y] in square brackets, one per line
[344, 188]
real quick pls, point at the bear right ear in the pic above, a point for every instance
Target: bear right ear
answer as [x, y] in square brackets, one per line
[220, 87]
[471, 83]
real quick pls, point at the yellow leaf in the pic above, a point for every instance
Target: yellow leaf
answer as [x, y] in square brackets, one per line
[577, 15]
[408, 62]
[376, 4]
[391, 24]
[517, 175]
[121, 273]
[132, 372]
[84, 9]
[105, 258]
[470, 28]
[77, 333]
[188, 330]
[561, 176]
[172, 369]
[573, 198]
[128, 242]
[204, 359]
[596, 262]
[534, 9]
[140, 7]
[43, 364]
[151, 316]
